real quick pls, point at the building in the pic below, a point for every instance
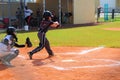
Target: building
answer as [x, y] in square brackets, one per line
[82, 11]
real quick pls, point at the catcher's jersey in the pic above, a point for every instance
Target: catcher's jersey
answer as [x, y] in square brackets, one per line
[8, 40]
[44, 26]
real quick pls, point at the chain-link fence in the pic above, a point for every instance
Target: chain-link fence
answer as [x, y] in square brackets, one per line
[109, 15]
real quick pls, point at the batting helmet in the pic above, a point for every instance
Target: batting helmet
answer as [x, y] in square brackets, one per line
[47, 14]
[10, 30]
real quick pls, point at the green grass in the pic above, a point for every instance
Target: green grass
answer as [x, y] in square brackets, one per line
[91, 36]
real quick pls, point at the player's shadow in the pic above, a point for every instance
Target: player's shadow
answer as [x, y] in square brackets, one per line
[41, 62]
[3, 67]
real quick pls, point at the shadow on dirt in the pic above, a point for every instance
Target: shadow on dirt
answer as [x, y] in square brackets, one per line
[41, 62]
[3, 67]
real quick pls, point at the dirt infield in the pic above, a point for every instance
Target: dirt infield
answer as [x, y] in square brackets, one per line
[113, 29]
[69, 63]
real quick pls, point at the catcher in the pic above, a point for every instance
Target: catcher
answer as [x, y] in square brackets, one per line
[45, 24]
[7, 50]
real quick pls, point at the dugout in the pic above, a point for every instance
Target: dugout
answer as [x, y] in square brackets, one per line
[83, 11]
[79, 11]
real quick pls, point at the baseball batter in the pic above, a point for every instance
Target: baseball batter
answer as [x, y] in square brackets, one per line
[44, 26]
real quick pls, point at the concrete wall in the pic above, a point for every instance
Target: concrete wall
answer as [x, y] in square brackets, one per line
[97, 4]
[6, 11]
[84, 11]
[34, 7]
[118, 3]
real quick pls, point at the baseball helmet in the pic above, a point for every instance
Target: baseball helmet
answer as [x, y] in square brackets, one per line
[47, 14]
[10, 30]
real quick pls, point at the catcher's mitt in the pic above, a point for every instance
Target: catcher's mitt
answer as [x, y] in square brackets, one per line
[28, 42]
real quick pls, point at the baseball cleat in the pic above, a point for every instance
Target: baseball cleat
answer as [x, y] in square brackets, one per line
[50, 56]
[30, 55]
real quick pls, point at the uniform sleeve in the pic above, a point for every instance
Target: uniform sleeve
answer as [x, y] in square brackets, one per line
[51, 22]
[6, 42]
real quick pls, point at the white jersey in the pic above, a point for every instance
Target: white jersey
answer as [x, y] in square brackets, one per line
[8, 37]
[3, 47]
[28, 12]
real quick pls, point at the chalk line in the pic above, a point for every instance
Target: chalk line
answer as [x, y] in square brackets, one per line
[70, 60]
[20, 56]
[84, 51]
[90, 50]
[114, 63]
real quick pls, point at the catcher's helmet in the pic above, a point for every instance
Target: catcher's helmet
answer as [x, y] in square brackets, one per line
[10, 30]
[47, 14]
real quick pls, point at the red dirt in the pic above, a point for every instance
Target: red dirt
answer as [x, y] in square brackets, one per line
[68, 64]
[113, 29]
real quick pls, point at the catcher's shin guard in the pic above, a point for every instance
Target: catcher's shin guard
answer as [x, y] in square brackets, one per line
[7, 63]
[11, 56]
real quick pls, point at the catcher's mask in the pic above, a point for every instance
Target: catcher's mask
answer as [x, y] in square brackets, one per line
[47, 14]
[10, 30]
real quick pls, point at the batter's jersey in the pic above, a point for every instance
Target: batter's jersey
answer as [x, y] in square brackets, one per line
[45, 25]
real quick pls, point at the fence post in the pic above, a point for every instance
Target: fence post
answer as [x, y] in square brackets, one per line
[113, 11]
[106, 12]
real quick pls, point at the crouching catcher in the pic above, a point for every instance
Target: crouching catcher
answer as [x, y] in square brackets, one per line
[7, 50]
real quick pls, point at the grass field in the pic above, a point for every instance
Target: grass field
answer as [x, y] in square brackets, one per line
[90, 36]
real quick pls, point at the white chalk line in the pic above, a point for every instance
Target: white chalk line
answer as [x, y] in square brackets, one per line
[84, 51]
[68, 53]
[70, 60]
[90, 50]
[114, 63]
[21, 56]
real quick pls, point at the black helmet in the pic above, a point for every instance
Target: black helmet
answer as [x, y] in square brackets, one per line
[10, 30]
[47, 14]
